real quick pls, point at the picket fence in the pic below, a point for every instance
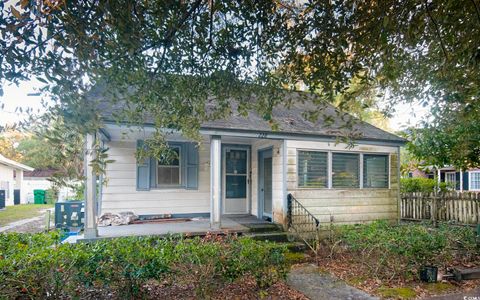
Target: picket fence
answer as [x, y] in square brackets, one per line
[458, 207]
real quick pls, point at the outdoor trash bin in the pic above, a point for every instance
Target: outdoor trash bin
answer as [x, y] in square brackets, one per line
[428, 274]
[39, 196]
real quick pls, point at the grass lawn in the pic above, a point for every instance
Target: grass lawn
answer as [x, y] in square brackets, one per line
[18, 212]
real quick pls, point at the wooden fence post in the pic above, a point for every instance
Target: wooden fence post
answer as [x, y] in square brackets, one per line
[433, 210]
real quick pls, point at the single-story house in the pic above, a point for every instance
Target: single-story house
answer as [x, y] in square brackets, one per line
[461, 180]
[242, 166]
[12, 190]
[39, 180]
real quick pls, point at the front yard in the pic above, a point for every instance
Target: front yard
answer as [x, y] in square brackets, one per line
[37, 266]
[379, 258]
[384, 259]
[18, 212]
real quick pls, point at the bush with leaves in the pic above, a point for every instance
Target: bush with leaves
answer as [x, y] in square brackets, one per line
[424, 185]
[397, 251]
[38, 266]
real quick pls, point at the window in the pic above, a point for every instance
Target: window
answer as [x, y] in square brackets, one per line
[168, 169]
[312, 169]
[236, 173]
[345, 170]
[450, 180]
[474, 181]
[375, 171]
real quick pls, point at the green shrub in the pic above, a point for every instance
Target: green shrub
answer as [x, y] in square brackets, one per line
[394, 251]
[38, 266]
[419, 184]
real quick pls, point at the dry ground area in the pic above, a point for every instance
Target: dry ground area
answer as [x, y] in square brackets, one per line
[24, 211]
[353, 273]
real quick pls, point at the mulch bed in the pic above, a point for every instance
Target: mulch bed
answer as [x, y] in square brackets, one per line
[351, 271]
[245, 289]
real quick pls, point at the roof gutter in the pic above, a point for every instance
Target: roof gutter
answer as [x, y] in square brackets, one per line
[259, 134]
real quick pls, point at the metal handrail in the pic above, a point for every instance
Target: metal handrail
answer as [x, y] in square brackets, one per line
[290, 198]
[302, 222]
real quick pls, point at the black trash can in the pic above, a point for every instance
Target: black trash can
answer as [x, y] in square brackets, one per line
[428, 274]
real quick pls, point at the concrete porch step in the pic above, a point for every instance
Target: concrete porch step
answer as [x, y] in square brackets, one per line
[279, 237]
[263, 227]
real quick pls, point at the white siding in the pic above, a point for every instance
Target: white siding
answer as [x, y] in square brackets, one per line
[9, 184]
[120, 193]
[345, 205]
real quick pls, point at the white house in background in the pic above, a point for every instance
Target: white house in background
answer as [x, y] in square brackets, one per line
[39, 180]
[12, 189]
[242, 166]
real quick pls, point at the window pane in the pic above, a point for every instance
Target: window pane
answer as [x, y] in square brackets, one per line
[312, 169]
[172, 159]
[236, 186]
[475, 180]
[168, 176]
[236, 162]
[375, 171]
[345, 170]
[450, 177]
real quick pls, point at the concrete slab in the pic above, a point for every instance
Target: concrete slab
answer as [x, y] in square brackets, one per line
[308, 280]
[200, 226]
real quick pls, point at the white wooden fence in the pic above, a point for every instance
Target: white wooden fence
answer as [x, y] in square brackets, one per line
[462, 208]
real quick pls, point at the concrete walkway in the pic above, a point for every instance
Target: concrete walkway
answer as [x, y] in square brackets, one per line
[314, 284]
[472, 294]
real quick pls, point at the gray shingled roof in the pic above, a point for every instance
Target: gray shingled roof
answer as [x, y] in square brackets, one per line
[291, 120]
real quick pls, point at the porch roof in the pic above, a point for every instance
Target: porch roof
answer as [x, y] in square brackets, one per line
[331, 123]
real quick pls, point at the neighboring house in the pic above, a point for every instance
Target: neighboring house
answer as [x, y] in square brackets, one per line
[242, 166]
[12, 191]
[468, 180]
[459, 180]
[421, 173]
[39, 180]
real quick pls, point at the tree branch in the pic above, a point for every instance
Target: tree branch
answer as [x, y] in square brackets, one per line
[444, 50]
[476, 9]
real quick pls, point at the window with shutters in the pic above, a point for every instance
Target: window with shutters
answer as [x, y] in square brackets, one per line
[375, 171]
[345, 170]
[312, 169]
[169, 169]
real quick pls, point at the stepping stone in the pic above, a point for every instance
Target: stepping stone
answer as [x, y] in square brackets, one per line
[314, 284]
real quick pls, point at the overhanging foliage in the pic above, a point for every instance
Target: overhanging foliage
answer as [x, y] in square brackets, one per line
[175, 57]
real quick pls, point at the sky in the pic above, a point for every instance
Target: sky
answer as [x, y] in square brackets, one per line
[17, 96]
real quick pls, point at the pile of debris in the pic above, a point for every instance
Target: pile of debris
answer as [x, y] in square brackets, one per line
[111, 219]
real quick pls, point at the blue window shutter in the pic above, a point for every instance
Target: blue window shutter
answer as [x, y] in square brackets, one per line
[191, 168]
[153, 172]
[465, 181]
[143, 171]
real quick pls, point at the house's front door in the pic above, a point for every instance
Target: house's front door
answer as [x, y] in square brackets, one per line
[235, 180]
[265, 183]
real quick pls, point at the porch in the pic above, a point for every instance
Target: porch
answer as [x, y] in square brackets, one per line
[226, 175]
[233, 224]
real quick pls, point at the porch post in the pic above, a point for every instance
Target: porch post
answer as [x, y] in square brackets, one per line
[461, 180]
[215, 181]
[90, 189]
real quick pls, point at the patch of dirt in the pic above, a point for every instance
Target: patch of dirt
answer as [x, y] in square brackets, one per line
[353, 272]
[30, 227]
[243, 289]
